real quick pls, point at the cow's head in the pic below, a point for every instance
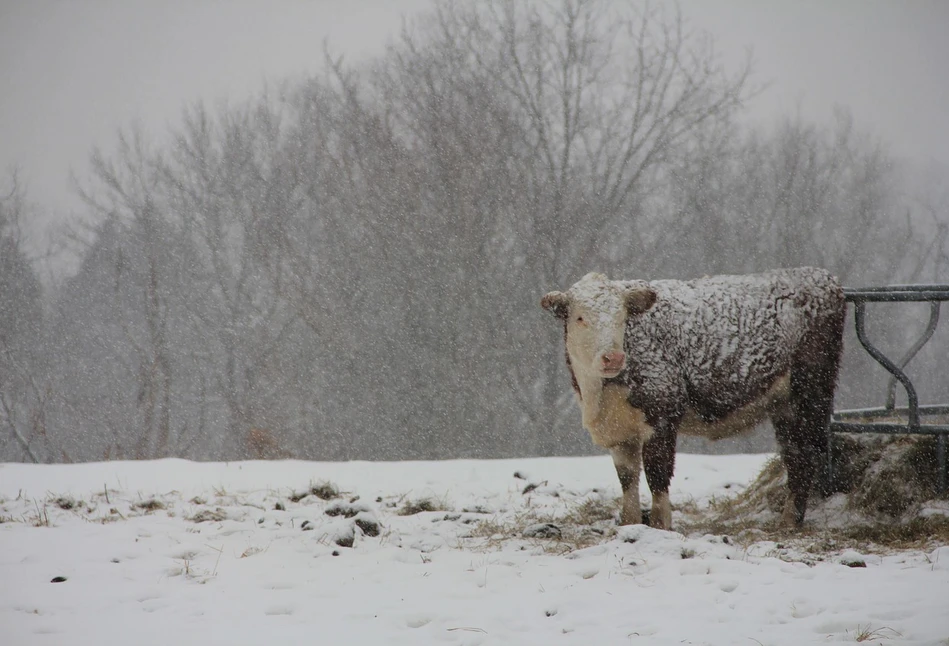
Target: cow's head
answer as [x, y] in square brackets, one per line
[595, 310]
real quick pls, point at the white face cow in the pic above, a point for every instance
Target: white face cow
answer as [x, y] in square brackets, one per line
[595, 310]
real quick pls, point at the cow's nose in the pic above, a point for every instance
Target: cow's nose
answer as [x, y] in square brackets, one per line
[614, 360]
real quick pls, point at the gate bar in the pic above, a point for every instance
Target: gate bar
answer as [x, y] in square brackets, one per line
[935, 295]
[930, 329]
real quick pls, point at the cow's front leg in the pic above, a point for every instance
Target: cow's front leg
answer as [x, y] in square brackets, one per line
[659, 463]
[628, 459]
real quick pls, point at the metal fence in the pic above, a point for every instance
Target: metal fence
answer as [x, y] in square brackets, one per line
[913, 418]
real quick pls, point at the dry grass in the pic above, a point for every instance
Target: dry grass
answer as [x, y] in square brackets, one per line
[593, 521]
[208, 515]
[419, 505]
[65, 503]
[584, 524]
[883, 480]
[918, 533]
[592, 510]
[150, 505]
[901, 473]
[866, 633]
[111, 518]
[187, 569]
[41, 517]
[325, 490]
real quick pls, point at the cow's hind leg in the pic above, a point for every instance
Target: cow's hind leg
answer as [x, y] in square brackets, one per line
[803, 428]
[802, 439]
[659, 465]
[628, 459]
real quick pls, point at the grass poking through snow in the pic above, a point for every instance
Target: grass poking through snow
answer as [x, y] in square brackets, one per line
[325, 490]
[420, 505]
[866, 633]
[580, 524]
[152, 504]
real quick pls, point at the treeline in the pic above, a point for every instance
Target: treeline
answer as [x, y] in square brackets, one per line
[350, 266]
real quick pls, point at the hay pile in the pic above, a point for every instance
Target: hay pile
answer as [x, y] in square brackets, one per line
[883, 488]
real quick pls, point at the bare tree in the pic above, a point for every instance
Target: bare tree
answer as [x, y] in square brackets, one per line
[232, 189]
[350, 267]
[930, 197]
[495, 151]
[125, 194]
[24, 389]
[602, 95]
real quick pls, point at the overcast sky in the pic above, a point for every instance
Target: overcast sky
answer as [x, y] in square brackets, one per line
[71, 72]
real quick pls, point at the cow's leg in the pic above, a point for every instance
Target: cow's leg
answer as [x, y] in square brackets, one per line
[801, 449]
[659, 463]
[802, 437]
[627, 458]
[802, 429]
[794, 456]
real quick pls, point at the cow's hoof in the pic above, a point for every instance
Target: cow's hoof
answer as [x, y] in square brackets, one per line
[656, 522]
[791, 519]
[642, 520]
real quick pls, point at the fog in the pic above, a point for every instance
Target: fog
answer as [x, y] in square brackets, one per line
[217, 244]
[73, 72]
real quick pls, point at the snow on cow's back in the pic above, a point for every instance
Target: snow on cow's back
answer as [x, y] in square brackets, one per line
[736, 327]
[728, 304]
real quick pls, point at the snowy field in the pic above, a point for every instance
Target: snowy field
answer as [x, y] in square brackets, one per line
[175, 552]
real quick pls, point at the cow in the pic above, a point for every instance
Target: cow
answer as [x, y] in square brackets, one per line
[711, 357]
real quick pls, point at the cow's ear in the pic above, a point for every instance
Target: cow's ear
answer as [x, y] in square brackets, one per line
[639, 300]
[556, 303]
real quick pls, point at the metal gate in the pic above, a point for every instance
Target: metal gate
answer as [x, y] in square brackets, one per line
[913, 418]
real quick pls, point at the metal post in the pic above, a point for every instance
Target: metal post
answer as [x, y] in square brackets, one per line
[830, 458]
[941, 464]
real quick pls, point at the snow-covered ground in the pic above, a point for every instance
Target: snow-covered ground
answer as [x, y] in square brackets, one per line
[176, 552]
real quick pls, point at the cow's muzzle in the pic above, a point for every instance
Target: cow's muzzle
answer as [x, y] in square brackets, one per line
[612, 363]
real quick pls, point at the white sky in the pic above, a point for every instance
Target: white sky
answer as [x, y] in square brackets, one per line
[72, 72]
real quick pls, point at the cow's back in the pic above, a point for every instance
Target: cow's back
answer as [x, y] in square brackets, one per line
[729, 339]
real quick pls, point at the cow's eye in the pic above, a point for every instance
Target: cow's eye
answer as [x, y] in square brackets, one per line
[579, 319]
